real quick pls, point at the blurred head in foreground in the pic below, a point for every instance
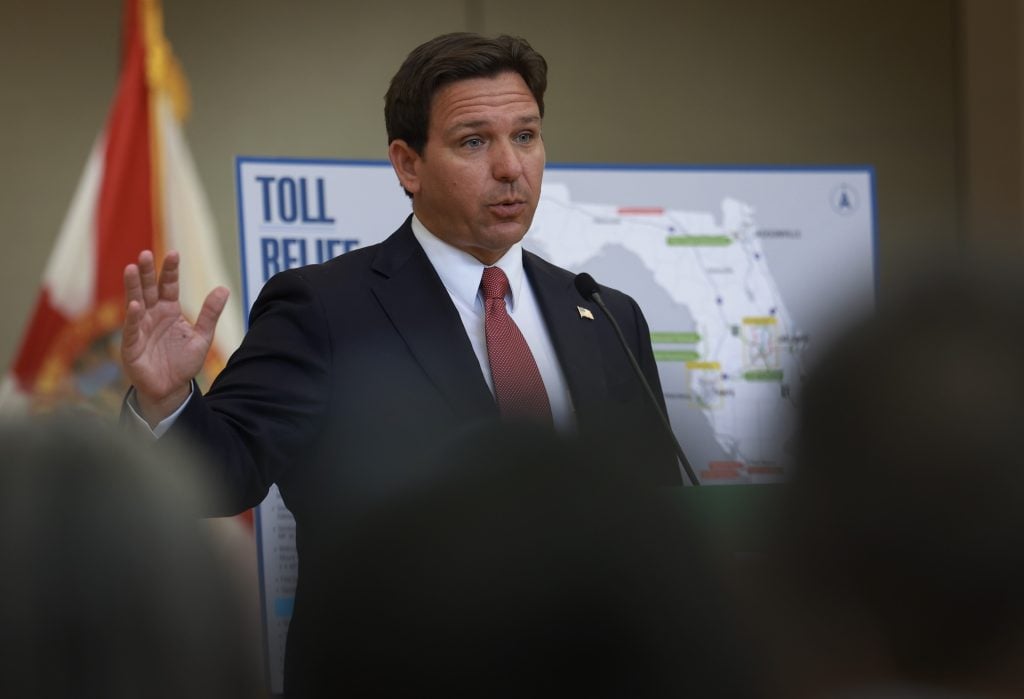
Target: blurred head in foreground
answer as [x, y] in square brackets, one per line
[904, 522]
[532, 569]
[110, 584]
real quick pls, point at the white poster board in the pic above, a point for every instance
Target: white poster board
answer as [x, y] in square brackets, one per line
[742, 273]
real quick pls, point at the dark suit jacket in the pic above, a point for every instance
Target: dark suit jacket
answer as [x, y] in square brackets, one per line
[354, 370]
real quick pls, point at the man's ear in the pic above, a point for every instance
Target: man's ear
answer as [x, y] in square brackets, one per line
[405, 161]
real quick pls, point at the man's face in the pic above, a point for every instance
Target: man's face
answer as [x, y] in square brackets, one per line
[477, 183]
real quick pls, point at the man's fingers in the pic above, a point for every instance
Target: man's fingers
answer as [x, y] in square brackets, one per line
[147, 274]
[132, 325]
[206, 323]
[167, 289]
[132, 285]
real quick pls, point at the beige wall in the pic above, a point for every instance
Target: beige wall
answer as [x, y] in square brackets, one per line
[991, 90]
[733, 81]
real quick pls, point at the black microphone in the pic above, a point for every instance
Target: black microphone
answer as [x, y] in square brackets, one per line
[588, 289]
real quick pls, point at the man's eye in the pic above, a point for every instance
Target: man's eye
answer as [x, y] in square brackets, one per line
[473, 142]
[524, 137]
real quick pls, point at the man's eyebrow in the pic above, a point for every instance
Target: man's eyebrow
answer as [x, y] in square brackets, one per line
[479, 123]
[466, 125]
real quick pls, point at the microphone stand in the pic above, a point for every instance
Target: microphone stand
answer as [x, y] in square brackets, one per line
[588, 288]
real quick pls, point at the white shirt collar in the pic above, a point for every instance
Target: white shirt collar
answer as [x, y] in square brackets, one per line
[460, 272]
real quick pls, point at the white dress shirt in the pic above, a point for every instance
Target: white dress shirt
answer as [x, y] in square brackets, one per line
[460, 273]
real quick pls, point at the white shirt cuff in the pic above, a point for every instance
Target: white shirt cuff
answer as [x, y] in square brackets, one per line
[162, 426]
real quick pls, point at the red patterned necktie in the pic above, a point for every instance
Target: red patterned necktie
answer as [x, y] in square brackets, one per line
[518, 386]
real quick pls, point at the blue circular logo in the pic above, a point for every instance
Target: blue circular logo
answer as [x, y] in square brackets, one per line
[845, 200]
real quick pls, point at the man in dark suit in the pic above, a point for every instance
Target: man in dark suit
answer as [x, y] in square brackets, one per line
[352, 368]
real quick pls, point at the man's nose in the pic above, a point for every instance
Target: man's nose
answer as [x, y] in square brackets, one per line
[506, 165]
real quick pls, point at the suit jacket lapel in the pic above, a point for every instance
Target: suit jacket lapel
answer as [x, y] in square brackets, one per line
[574, 337]
[420, 308]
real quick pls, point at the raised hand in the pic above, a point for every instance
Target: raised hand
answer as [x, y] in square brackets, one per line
[161, 350]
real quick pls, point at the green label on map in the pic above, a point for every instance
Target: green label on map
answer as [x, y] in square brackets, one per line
[675, 338]
[675, 356]
[717, 241]
[764, 375]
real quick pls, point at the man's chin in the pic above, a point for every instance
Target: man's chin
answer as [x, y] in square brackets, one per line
[507, 235]
[497, 241]
[512, 228]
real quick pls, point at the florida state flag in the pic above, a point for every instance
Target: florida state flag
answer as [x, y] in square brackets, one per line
[139, 190]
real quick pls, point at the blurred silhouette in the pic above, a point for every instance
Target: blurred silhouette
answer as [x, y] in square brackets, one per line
[903, 528]
[111, 586]
[528, 566]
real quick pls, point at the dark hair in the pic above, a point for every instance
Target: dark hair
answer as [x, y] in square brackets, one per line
[112, 587]
[447, 59]
[527, 565]
[903, 519]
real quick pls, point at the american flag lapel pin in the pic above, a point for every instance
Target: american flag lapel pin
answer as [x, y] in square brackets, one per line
[585, 313]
